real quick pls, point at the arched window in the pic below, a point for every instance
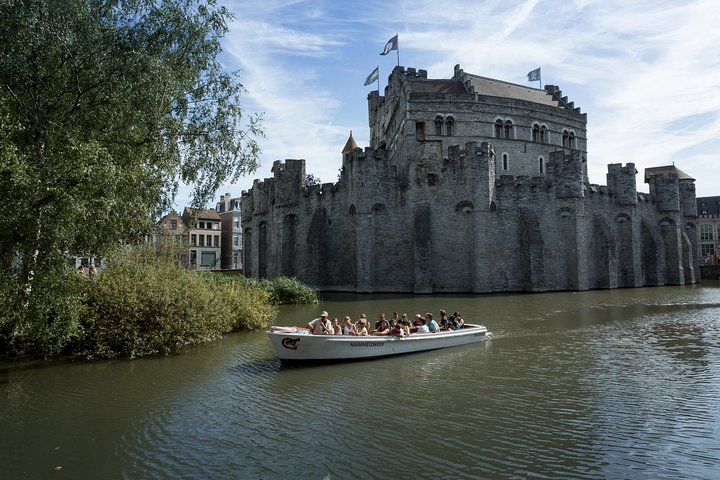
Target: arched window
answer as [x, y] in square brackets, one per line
[505, 161]
[543, 134]
[352, 209]
[438, 125]
[508, 129]
[565, 139]
[571, 140]
[449, 126]
[498, 129]
[379, 208]
[541, 165]
[535, 132]
[464, 207]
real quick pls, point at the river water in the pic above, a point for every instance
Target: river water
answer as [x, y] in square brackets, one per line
[602, 384]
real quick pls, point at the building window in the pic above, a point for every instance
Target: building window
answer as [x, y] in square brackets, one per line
[236, 223]
[505, 161]
[706, 232]
[568, 139]
[173, 224]
[432, 180]
[193, 239]
[571, 140]
[707, 250]
[193, 258]
[541, 165]
[201, 225]
[449, 126]
[438, 125]
[498, 129]
[216, 226]
[207, 259]
[202, 240]
[508, 129]
[236, 240]
[352, 209]
[543, 134]
[216, 240]
[535, 132]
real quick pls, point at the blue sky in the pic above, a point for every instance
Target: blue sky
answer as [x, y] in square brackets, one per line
[647, 73]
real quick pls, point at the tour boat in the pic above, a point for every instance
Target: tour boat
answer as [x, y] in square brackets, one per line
[298, 344]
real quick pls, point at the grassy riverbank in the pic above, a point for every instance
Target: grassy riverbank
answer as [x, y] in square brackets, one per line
[140, 304]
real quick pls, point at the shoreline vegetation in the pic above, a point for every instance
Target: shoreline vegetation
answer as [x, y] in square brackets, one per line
[142, 304]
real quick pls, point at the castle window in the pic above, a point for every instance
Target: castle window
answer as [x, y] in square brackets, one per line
[464, 207]
[438, 125]
[706, 232]
[508, 129]
[420, 130]
[379, 208]
[535, 132]
[449, 126]
[571, 140]
[505, 161]
[498, 129]
[543, 134]
[352, 209]
[541, 165]
[432, 180]
[568, 139]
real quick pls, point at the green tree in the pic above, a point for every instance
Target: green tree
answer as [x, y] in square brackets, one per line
[105, 107]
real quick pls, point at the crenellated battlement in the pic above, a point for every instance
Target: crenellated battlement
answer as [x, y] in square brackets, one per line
[470, 184]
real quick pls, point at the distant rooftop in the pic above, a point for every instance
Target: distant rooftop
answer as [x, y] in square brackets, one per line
[651, 172]
[498, 88]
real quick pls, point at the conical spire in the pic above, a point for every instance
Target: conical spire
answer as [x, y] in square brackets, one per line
[350, 145]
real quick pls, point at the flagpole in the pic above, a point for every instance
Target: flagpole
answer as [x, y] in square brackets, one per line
[397, 50]
[378, 79]
[540, 79]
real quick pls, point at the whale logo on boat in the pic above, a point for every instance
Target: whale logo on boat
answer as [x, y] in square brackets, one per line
[290, 343]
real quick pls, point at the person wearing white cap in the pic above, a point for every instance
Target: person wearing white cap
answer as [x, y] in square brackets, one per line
[321, 326]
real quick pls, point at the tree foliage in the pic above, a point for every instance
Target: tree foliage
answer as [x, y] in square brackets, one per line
[105, 107]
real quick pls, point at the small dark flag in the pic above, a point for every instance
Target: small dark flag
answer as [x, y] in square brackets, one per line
[534, 75]
[391, 45]
[372, 77]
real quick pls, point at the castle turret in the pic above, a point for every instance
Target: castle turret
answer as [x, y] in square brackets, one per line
[622, 183]
[665, 184]
[567, 170]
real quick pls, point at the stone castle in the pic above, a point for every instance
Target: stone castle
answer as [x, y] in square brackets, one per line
[471, 185]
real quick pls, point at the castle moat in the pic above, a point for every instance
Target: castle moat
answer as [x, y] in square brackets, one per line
[619, 383]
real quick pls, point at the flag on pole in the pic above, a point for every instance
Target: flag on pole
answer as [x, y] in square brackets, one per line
[534, 75]
[391, 45]
[372, 77]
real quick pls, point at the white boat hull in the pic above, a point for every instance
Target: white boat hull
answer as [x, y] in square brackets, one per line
[301, 345]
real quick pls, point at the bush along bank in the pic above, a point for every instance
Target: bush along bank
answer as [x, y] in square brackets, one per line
[141, 304]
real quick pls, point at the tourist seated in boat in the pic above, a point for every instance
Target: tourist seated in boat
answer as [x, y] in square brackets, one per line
[397, 328]
[444, 320]
[422, 328]
[381, 318]
[431, 324]
[337, 329]
[347, 327]
[321, 326]
[457, 321]
[361, 326]
[405, 324]
[414, 327]
[383, 328]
